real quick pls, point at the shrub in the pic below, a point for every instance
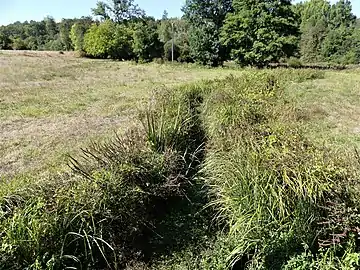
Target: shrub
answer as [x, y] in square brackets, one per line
[5, 41]
[122, 47]
[108, 40]
[259, 34]
[294, 62]
[18, 44]
[159, 61]
[54, 45]
[77, 34]
[98, 39]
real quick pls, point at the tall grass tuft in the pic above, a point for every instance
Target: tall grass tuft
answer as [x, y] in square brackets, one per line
[126, 200]
[269, 184]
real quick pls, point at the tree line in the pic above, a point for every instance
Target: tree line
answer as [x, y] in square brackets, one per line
[250, 32]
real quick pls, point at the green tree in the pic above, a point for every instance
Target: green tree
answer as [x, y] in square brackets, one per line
[5, 41]
[51, 28]
[353, 55]
[165, 28]
[77, 34]
[328, 31]
[341, 15]
[98, 40]
[118, 10]
[54, 45]
[206, 18]
[109, 40]
[181, 30]
[314, 29]
[147, 45]
[36, 33]
[101, 10]
[177, 29]
[123, 43]
[45, 34]
[205, 46]
[260, 32]
[65, 29]
[31, 43]
[339, 41]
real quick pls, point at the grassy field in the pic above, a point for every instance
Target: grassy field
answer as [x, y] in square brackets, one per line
[232, 169]
[53, 104]
[330, 108]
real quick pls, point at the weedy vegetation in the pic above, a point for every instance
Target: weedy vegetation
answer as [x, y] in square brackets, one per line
[220, 173]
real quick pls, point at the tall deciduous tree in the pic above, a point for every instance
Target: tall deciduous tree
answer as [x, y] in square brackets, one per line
[77, 34]
[118, 10]
[206, 18]
[109, 39]
[51, 27]
[339, 42]
[260, 32]
[341, 14]
[98, 41]
[5, 40]
[328, 32]
[147, 45]
[65, 29]
[165, 31]
[314, 29]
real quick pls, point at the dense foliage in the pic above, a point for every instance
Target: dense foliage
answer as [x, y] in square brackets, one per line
[329, 32]
[260, 32]
[108, 40]
[206, 19]
[44, 35]
[251, 32]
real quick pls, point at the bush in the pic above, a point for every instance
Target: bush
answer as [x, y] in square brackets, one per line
[98, 39]
[54, 45]
[5, 41]
[204, 45]
[122, 47]
[109, 40]
[294, 62]
[159, 61]
[18, 44]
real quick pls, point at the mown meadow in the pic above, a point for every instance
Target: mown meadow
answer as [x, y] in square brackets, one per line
[208, 168]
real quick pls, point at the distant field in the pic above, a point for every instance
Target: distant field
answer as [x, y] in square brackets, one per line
[52, 104]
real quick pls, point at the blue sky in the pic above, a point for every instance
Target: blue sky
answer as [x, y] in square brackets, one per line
[21, 10]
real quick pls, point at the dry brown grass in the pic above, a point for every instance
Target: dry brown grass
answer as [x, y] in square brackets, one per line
[52, 104]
